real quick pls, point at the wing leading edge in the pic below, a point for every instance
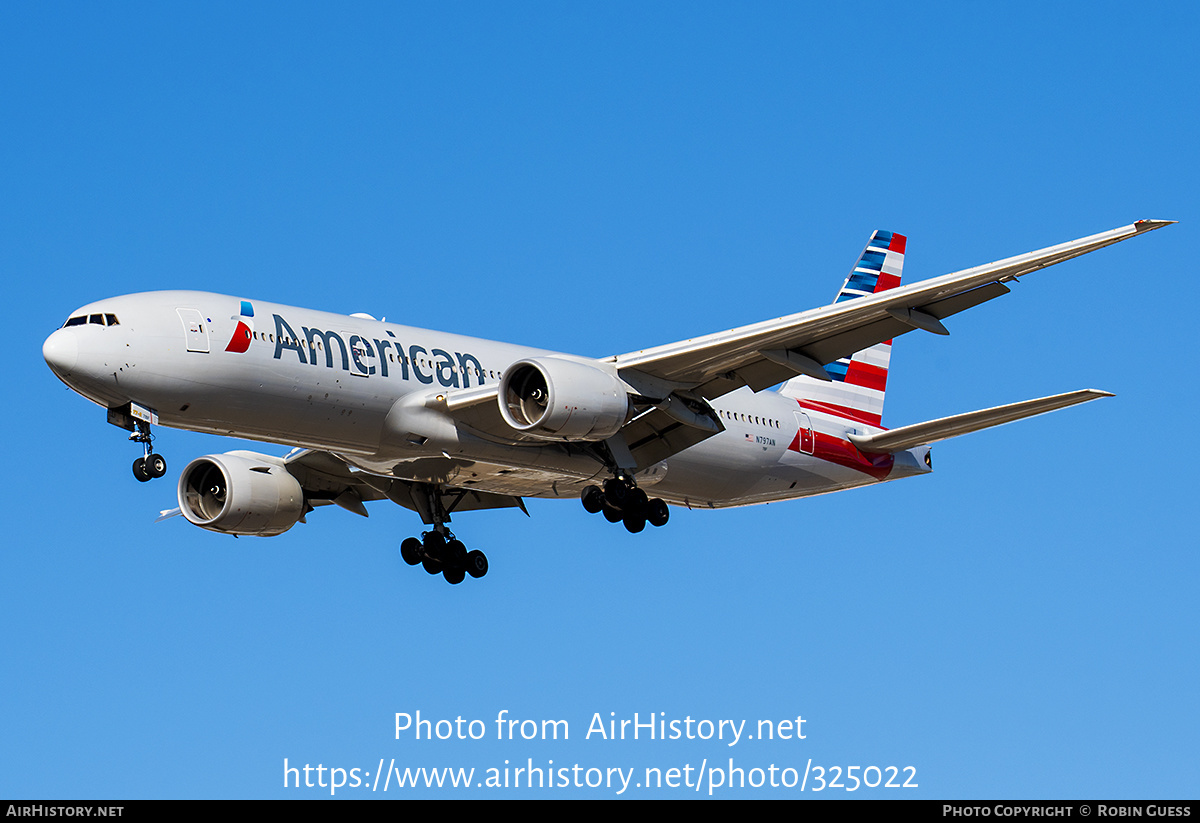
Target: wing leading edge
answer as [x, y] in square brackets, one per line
[758, 355]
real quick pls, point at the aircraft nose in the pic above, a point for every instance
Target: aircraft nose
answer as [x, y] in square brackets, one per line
[61, 351]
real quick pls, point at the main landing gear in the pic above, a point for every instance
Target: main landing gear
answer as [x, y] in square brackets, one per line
[438, 551]
[150, 465]
[621, 500]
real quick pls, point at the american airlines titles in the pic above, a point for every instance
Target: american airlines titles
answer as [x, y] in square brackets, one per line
[367, 356]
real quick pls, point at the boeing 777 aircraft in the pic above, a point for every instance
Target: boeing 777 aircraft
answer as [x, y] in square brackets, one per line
[441, 423]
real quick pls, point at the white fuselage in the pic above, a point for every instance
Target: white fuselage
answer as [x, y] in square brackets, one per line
[360, 389]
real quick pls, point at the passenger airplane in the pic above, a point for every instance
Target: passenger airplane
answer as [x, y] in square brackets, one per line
[441, 423]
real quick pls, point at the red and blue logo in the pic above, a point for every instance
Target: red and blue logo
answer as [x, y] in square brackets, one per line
[244, 331]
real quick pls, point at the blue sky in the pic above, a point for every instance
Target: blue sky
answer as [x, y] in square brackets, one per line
[596, 179]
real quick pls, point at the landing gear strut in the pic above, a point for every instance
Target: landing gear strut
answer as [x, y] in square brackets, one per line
[438, 551]
[150, 465]
[621, 500]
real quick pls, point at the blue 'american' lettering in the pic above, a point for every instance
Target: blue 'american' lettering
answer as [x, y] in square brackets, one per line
[314, 347]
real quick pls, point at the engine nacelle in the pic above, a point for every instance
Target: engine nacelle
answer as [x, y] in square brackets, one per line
[558, 399]
[240, 493]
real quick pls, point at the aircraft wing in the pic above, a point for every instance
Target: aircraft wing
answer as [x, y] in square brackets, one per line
[673, 383]
[326, 478]
[763, 354]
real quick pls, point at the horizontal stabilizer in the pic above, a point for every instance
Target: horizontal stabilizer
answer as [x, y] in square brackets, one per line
[923, 434]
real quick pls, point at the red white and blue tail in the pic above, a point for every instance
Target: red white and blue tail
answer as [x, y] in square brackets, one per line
[859, 381]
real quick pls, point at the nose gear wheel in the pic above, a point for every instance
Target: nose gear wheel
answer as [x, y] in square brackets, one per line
[150, 465]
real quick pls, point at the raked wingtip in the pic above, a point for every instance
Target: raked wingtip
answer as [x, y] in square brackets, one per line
[1151, 225]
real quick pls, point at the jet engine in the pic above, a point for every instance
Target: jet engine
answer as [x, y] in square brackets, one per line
[240, 493]
[558, 399]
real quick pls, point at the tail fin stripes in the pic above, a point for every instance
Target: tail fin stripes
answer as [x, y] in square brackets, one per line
[874, 272]
[859, 381]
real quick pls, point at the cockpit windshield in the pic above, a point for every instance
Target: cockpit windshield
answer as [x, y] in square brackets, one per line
[92, 319]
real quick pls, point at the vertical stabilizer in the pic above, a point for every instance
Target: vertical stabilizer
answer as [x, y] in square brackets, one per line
[859, 381]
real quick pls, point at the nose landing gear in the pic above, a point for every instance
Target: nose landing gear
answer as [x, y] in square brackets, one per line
[150, 465]
[137, 420]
